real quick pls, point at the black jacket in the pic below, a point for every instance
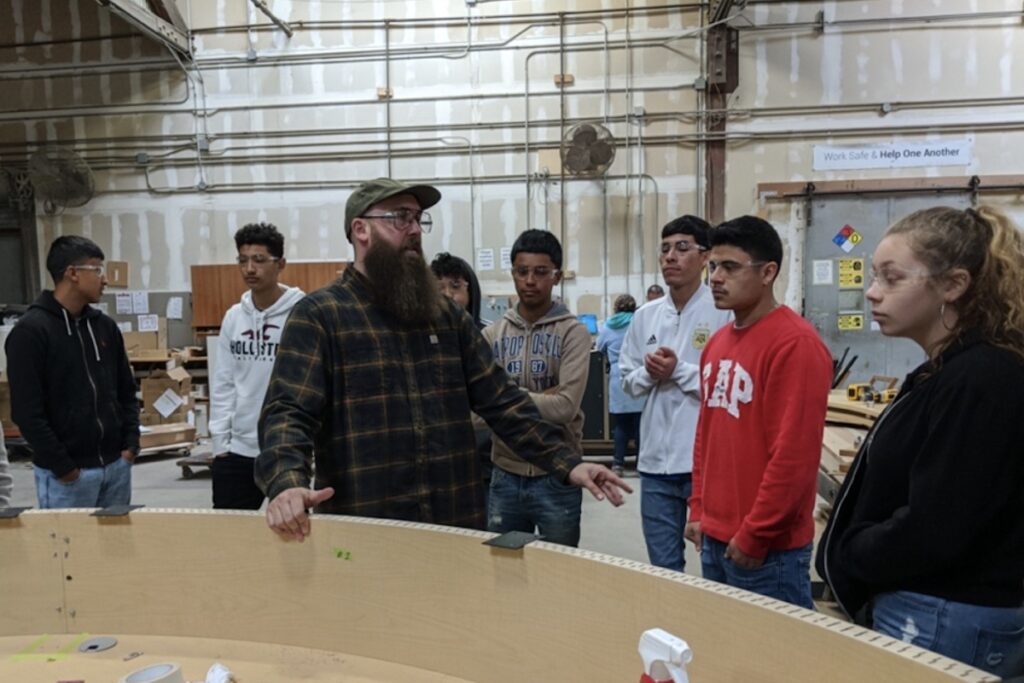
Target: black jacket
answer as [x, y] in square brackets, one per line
[934, 501]
[72, 388]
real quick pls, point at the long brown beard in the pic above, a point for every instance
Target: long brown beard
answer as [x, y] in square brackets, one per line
[403, 285]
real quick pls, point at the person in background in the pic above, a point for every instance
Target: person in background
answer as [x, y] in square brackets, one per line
[926, 537]
[459, 283]
[659, 363]
[655, 292]
[624, 409]
[247, 348]
[6, 481]
[72, 388]
[765, 384]
[375, 379]
[546, 351]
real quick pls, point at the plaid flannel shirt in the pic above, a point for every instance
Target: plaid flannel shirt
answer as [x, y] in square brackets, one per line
[384, 409]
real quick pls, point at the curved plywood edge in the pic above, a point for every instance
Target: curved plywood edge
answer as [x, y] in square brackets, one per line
[424, 596]
[45, 659]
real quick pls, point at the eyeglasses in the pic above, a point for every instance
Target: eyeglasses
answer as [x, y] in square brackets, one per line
[539, 272]
[889, 279]
[403, 219]
[256, 259]
[730, 268]
[99, 270]
[680, 247]
[453, 285]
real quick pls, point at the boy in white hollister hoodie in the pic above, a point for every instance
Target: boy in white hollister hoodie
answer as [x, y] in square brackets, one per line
[545, 350]
[246, 351]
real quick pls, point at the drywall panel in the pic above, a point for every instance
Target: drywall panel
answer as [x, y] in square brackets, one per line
[293, 129]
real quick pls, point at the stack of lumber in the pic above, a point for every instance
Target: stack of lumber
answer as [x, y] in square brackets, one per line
[843, 411]
[839, 446]
[846, 425]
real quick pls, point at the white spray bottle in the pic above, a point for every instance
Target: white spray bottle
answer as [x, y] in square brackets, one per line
[665, 657]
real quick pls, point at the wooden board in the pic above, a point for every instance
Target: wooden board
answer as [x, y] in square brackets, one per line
[215, 288]
[428, 597]
[837, 402]
[256, 662]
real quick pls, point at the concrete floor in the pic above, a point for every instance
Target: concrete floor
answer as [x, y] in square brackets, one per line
[157, 482]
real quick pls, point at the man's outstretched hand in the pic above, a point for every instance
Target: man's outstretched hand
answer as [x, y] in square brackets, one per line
[600, 481]
[287, 515]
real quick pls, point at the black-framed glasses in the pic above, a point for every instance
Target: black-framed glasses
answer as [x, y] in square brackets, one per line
[403, 219]
[680, 247]
[256, 260]
[730, 268]
[539, 272]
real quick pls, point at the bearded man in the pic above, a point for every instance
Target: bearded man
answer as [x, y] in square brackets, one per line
[375, 379]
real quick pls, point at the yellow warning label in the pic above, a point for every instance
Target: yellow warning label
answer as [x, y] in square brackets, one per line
[853, 321]
[851, 273]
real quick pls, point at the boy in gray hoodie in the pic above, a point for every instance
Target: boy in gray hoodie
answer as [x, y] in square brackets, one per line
[545, 350]
[246, 351]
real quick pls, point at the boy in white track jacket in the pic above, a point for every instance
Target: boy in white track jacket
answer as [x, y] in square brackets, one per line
[660, 360]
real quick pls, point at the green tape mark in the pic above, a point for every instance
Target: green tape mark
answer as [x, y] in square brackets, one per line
[30, 653]
[342, 554]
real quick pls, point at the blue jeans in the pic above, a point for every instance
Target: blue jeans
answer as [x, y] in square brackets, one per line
[663, 516]
[519, 503]
[988, 638]
[96, 487]
[627, 426]
[785, 574]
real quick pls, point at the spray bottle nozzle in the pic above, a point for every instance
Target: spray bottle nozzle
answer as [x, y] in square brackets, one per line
[665, 657]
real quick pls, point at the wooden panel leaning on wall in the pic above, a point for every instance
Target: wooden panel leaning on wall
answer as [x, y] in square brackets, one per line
[217, 287]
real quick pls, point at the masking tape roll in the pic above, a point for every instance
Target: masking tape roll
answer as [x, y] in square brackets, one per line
[156, 673]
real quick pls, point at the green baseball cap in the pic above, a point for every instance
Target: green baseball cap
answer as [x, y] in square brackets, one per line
[373, 191]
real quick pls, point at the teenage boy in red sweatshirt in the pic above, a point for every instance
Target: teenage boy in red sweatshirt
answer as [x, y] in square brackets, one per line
[765, 383]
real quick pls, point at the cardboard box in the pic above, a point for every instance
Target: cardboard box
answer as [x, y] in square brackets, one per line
[165, 388]
[149, 419]
[166, 435]
[140, 341]
[147, 346]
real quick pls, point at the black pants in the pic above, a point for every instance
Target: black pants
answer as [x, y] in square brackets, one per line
[234, 486]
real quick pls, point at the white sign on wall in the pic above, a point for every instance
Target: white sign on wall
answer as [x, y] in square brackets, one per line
[893, 155]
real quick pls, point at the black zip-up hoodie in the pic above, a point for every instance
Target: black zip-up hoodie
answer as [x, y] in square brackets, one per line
[72, 388]
[934, 501]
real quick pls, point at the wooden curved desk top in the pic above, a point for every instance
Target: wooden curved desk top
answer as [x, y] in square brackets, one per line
[45, 659]
[430, 598]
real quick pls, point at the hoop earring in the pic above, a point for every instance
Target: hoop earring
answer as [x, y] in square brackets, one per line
[942, 317]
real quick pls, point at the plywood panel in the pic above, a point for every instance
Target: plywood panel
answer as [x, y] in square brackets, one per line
[31, 578]
[436, 599]
[21, 660]
[215, 288]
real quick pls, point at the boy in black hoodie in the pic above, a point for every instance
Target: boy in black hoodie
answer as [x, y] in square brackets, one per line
[72, 388]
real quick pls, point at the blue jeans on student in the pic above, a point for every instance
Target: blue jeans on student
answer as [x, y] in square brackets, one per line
[785, 574]
[663, 517]
[627, 426]
[988, 638]
[544, 503]
[96, 487]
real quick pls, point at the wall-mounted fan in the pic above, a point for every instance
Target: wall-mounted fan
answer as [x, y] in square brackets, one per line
[588, 150]
[60, 178]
